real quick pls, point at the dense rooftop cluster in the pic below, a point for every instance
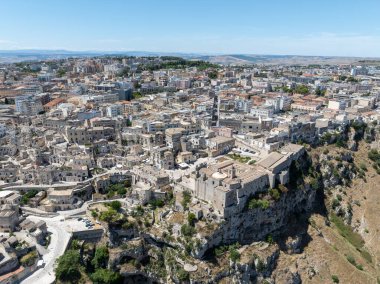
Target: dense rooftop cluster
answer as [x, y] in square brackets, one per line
[205, 142]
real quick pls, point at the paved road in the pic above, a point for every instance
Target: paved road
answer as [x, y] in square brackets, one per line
[58, 243]
[82, 210]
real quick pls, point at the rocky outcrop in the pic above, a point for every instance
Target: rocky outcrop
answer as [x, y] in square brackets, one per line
[257, 224]
[336, 170]
[134, 249]
[258, 267]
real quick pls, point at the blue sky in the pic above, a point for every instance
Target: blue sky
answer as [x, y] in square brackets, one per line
[302, 27]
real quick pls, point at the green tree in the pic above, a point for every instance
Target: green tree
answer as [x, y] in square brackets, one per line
[156, 203]
[29, 194]
[136, 95]
[212, 74]
[106, 276]
[101, 257]
[191, 219]
[320, 92]
[68, 267]
[302, 89]
[186, 198]
[61, 72]
[108, 216]
[115, 205]
[122, 191]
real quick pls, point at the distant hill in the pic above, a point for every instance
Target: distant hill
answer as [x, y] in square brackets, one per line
[233, 59]
[245, 59]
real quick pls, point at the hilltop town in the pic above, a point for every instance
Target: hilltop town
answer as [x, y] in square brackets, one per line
[169, 170]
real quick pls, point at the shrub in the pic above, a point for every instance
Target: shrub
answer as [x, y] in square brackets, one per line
[219, 251]
[351, 259]
[94, 214]
[283, 188]
[183, 275]
[275, 193]
[234, 255]
[122, 191]
[191, 219]
[29, 259]
[270, 239]
[314, 183]
[335, 278]
[260, 266]
[105, 276]
[335, 203]
[109, 216]
[374, 155]
[187, 230]
[363, 167]
[156, 203]
[256, 203]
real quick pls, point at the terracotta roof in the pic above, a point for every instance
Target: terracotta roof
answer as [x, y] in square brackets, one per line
[54, 102]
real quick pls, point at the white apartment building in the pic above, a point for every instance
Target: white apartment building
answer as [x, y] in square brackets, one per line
[262, 111]
[114, 110]
[28, 105]
[337, 104]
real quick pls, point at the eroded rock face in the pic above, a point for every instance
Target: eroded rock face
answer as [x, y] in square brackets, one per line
[294, 244]
[134, 249]
[291, 278]
[352, 144]
[257, 224]
[257, 268]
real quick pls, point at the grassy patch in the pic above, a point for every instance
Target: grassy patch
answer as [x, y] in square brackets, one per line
[365, 254]
[346, 231]
[352, 237]
[239, 158]
[352, 260]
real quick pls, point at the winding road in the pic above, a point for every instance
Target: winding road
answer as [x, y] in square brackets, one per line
[59, 240]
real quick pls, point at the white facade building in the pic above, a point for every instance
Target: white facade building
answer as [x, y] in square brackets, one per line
[28, 105]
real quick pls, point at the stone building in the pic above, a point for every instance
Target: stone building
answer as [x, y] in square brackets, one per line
[173, 138]
[154, 177]
[162, 157]
[9, 218]
[220, 145]
[60, 199]
[227, 185]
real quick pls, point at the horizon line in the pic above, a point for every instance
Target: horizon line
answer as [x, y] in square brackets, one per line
[36, 50]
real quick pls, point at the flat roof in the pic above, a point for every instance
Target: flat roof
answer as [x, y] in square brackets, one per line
[270, 160]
